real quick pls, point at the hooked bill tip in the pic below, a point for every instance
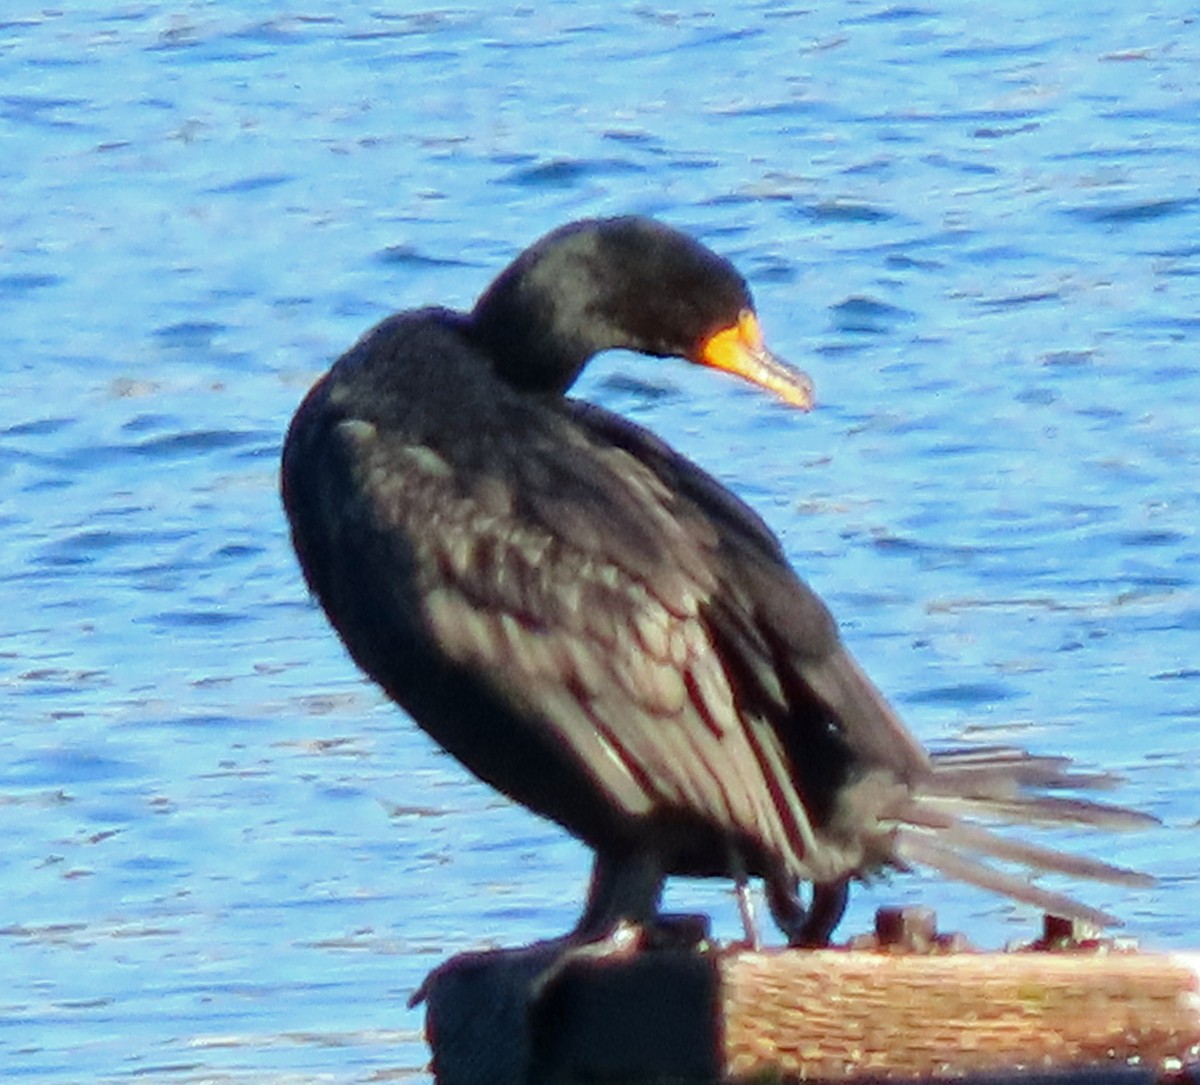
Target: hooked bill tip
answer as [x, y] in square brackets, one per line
[739, 349]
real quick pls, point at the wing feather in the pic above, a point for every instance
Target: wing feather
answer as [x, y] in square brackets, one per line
[600, 635]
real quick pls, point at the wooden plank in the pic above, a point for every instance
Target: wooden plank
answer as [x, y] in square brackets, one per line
[844, 1015]
[914, 1006]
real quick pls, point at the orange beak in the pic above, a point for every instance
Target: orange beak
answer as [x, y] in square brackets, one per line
[739, 349]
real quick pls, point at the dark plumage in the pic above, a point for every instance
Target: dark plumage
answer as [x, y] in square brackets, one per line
[596, 627]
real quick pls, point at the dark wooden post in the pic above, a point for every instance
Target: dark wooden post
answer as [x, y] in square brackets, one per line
[1089, 1012]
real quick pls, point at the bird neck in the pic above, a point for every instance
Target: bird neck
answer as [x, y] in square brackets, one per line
[528, 347]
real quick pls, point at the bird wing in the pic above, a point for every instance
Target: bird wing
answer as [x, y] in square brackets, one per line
[564, 574]
[777, 626]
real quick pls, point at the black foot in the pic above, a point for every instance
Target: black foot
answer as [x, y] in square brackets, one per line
[623, 940]
[811, 927]
[624, 889]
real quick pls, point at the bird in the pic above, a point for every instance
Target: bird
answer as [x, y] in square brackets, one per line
[599, 629]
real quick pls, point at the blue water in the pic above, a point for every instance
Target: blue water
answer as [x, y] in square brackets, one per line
[226, 858]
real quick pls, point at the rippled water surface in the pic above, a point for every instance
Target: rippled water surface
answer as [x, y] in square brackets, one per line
[226, 858]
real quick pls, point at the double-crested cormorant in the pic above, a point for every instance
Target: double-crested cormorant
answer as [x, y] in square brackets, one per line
[596, 627]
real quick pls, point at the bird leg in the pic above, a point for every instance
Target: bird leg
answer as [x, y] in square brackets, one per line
[745, 900]
[624, 888]
[825, 912]
[622, 901]
[809, 927]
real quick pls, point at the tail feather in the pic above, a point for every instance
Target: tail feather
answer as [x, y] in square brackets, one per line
[963, 836]
[1005, 783]
[1040, 810]
[1018, 767]
[917, 848]
[938, 825]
